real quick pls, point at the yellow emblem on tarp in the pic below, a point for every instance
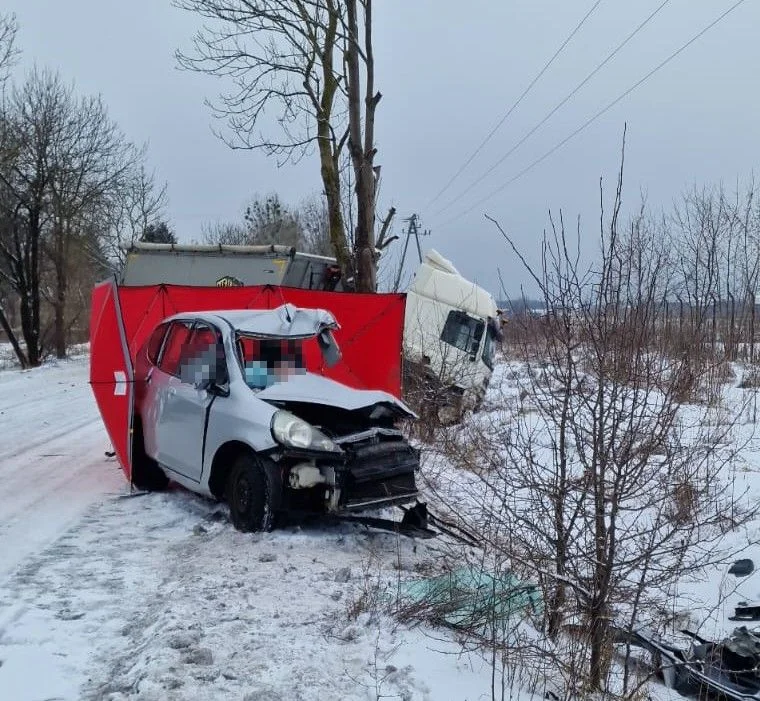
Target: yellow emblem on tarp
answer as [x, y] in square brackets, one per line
[228, 281]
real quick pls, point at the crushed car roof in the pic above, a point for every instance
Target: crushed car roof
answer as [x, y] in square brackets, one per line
[286, 320]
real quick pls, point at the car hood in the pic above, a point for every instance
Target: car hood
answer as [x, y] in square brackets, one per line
[315, 389]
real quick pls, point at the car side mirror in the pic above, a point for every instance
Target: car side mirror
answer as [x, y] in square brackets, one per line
[213, 386]
[205, 384]
[219, 390]
[329, 348]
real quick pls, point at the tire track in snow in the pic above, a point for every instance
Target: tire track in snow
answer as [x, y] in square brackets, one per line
[66, 431]
[53, 466]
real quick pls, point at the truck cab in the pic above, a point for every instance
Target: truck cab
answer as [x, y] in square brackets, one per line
[451, 328]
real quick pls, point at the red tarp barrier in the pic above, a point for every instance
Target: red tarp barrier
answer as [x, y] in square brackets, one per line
[122, 319]
[111, 370]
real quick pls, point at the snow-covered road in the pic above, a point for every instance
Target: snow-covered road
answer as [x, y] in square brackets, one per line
[52, 462]
[158, 597]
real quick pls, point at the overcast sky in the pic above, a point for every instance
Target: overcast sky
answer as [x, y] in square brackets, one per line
[448, 72]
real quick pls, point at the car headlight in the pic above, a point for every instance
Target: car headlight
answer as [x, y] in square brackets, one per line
[293, 432]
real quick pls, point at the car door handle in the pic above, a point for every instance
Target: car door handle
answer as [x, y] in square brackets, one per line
[172, 391]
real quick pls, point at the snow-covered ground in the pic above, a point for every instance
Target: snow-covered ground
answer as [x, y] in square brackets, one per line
[52, 468]
[109, 596]
[104, 596]
[702, 601]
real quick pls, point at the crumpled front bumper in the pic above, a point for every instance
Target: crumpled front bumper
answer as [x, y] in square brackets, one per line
[379, 474]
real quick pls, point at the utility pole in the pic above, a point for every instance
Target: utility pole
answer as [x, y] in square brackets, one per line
[413, 229]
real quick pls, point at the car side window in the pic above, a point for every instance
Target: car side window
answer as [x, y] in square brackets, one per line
[176, 341]
[155, 342]
[203, 356]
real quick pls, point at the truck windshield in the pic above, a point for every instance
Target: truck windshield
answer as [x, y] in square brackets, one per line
[463, 331]
[268, 361]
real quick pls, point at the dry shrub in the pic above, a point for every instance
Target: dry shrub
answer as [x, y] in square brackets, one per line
[685, 498]
[685, 383]
[724, 371]
[371, 598]
[436, 403]
[750, 377]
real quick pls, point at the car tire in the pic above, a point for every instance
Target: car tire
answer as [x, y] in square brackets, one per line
[146, 474]
[253, 493]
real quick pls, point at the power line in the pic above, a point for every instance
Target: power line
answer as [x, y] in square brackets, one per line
[558, 107]
[516, 104]
[601, 112]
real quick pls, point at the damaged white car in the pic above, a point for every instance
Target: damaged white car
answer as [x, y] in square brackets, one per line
[225, 407]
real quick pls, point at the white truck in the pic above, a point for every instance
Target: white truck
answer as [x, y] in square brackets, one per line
[451, 324]
[451, 327]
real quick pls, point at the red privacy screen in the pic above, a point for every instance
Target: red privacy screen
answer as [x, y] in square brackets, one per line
[122, 319]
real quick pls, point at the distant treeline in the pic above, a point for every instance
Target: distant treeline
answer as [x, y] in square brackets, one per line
[520, 305]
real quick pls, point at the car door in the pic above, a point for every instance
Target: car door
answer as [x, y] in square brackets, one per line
[145, 387]
[181, 424]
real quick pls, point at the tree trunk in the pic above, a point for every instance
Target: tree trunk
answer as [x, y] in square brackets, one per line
[60, 325]
[6, 326]
[61, 280]
[752, 328]
[30, 297]
[30, 329]
[362, 150]
[599, 659]
[329, 154]
[558, 596]
[331, 182]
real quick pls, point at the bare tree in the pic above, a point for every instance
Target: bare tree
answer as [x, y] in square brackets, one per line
[8, 51]
[267, 220]
[272, 222]
[139, 202]
[606, 469]
[26, 144]
[90, 161]
[63, 163]
[315, 226]
[225, 234]
[303, 59]
[8, 295]
[634, 491]
[8, 55]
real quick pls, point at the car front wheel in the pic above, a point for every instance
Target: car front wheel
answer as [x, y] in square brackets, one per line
[254, 493]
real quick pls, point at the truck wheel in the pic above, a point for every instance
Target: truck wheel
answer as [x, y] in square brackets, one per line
[146, 474]
[254, 493]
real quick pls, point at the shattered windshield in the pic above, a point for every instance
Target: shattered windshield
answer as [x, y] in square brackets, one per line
[266, 362]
